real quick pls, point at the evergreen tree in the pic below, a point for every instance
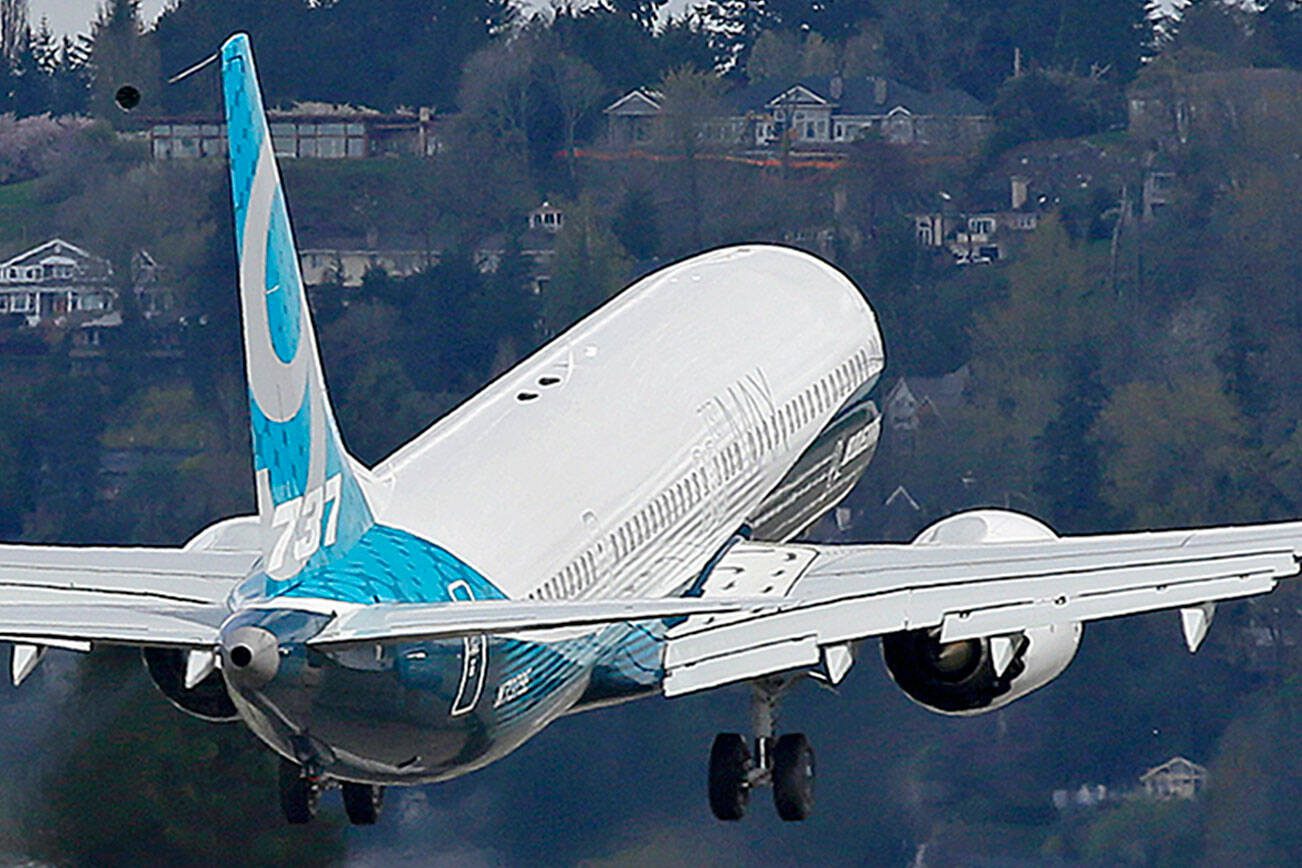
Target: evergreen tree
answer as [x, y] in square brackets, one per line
[121, 55]
[1069, 452]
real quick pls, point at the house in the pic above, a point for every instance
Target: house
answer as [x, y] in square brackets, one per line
[308, 130]
[630, 120]
[819, 113]
[1177, 778]
[547, 217]
[345, 261]
[822, 111]
[913, 401]
[60, 282]
[983, 233]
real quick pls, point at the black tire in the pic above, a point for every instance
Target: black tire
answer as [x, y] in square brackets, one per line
[793, 777]
[729, 770]
[299, 795]
[362, 803]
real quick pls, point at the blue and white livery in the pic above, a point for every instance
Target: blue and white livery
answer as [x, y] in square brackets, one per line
[609, 520]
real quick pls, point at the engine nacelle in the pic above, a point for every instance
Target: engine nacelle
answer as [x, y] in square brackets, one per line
[963, 678]
[207, 700]
[973, 676]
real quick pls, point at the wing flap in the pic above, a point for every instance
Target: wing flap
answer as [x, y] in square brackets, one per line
[194, 627]
[384, 622]
[123, 575]
[777, 656]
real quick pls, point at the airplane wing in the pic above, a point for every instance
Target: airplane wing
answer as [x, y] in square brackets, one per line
[70, 597]
[968, 584]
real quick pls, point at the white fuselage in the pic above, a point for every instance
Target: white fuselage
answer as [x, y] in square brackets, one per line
[704, 382]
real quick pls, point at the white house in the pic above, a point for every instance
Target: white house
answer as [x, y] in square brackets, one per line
[58, 280]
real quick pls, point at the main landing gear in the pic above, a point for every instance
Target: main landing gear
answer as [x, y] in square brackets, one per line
[786, 762]
[300, 796]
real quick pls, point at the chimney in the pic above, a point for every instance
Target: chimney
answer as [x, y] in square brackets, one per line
[1019, 190]
[879, 90]
[836, 87]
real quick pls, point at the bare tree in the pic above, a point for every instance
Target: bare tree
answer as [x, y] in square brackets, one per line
[575, 86]
[13, 27]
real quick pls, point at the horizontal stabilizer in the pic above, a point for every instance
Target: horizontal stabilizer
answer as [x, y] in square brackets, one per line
[386, 622]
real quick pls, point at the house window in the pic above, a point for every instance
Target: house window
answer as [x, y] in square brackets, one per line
[840, 131]
[21, 302]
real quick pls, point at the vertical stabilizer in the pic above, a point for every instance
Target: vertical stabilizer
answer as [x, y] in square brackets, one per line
[309, 502]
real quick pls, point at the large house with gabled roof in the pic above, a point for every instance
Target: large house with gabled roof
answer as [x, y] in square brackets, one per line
[61, 282]
[820, 113]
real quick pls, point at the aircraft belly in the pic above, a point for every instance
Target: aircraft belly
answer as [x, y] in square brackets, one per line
[401, 713]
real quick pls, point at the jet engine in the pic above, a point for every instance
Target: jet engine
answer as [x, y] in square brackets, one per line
[207, 700]
[973, 676]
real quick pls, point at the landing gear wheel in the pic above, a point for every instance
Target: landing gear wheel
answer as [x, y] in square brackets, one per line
[299, 794]
[362, 802]
[729, 776]
[793, 777]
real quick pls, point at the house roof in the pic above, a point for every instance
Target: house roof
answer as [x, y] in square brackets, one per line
[1173, 764]
[639, 101]
[858, 96]
[901, 495]
[64, 251]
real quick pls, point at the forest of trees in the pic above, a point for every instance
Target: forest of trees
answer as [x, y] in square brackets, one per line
[1125, 373]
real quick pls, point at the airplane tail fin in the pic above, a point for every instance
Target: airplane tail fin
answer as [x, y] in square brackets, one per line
[309, 499]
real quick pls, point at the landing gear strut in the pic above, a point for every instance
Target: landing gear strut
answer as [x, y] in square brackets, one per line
[301, 789]
[786, 762]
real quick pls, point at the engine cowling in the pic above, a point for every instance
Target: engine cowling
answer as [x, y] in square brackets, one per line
[207, 700]
[962, 677]
[974, 676]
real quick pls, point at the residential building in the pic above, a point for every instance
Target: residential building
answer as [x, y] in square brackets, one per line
[979, 235]
[547, 217]
[914, 401]
[630, 120]
[819, 113]
[308, 130]
[60, 282]
[346, 261]
[1177, 778]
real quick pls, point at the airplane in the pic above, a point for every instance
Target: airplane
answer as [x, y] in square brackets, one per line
[611, 519]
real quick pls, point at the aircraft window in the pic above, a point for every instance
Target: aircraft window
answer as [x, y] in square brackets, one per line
[548, 381]
[524, 397]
